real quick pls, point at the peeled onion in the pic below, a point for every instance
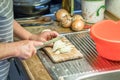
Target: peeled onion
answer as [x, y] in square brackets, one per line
[61, 47]
[61, 14]
[57, 45]
[77, 25]
[66, 49]
[77, 17]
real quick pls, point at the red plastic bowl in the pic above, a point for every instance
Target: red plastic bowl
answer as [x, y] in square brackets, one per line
[106, 35]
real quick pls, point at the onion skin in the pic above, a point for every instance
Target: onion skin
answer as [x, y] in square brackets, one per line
[77, 25]
[61, 14]
[77, 17]
[67, 22]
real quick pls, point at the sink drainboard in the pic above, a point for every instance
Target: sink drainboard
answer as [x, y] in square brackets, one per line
[90, 63]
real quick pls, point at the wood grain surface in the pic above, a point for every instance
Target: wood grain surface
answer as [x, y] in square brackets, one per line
[35, 69]
[74, 54]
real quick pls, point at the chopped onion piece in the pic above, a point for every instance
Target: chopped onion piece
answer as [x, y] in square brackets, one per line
[61, 47]
[66, 49]
[57, 45]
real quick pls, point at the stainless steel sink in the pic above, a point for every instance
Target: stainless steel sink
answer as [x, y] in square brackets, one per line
[113, 75]
[90, 67]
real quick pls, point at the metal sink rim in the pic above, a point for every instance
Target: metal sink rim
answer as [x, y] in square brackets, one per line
[94, 74]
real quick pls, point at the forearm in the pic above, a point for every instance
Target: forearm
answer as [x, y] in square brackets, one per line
[7, 50]
[20, 32]
[23, 49]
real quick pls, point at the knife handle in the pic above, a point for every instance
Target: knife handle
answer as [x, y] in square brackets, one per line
[49, 42]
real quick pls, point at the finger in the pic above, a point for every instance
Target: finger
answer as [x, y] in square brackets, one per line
[54, 34]
[34, 51]
[37, 43]
[41, 39]
[49, 36]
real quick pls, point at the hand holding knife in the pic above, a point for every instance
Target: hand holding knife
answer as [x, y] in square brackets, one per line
[49, 42]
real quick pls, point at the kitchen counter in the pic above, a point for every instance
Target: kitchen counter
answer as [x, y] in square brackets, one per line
[34, 66]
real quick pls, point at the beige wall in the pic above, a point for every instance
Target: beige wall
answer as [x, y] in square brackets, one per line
[113, 6]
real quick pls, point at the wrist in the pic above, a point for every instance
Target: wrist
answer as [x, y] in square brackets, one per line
[12, 48]
[7, 50]
[32, 37]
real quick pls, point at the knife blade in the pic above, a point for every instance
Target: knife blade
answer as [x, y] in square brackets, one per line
[49, 42]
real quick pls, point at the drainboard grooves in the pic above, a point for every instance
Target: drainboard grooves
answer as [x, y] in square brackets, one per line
[91, 62]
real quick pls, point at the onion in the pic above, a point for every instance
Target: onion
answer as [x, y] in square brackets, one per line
[77, 25]
[66, 49]
[61, 47]
[61, 14]
[57, 45]
[77, 17]
[67, 22]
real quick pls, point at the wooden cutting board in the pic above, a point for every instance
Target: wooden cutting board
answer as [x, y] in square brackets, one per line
[74, 54]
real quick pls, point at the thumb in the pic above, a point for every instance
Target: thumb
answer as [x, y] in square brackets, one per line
[37, 43]
[43, 40]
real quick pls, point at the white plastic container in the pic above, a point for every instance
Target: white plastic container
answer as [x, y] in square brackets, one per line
[93, 10]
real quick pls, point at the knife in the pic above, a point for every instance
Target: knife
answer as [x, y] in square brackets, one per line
[49, 42]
